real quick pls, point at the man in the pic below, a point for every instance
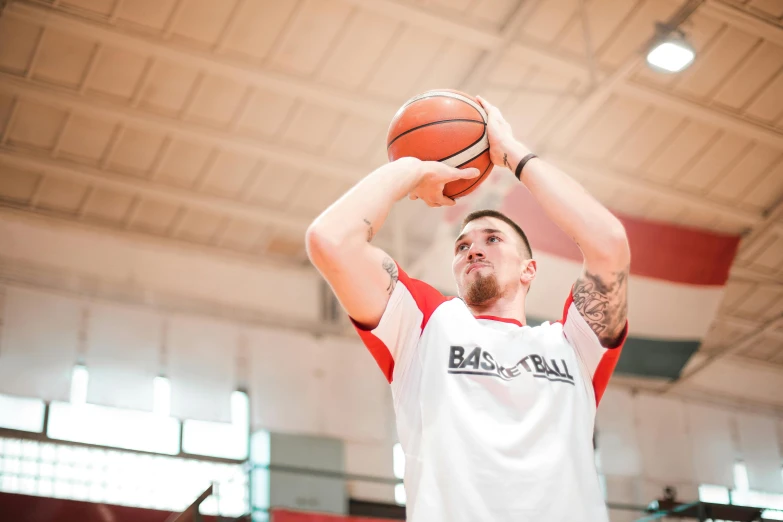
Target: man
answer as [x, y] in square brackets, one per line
[495, 417]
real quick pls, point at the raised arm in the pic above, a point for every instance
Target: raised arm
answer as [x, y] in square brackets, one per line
[362, 275]
[600, 292]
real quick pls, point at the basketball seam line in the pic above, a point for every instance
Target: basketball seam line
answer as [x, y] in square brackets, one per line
[466, 148]
[474, 183]
[435, 123]
[440, 94]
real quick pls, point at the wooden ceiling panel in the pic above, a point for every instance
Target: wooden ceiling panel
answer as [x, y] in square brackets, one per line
[357, 50]
[525, 110]
[752, 77]
[663, 210]
[266, 113]
[453, 65]
[17, 185]
[405, 62]
[746, 173]
[767, 191]
[770, 259]
[108, 205]
[229, 173]
[183, 162]
[718, 64]
[36, 125]
[312, 31]
[680, 150]
[197, 225]
[7, 104]
[63, 58]
[766, 105]
[714, 162]
[764, 349]
[612, 122]
[773, 8]
[215, 101]
[509, 71]
[315, 194]
[257, 25]
[242, 235]
[276, 185]
[494, 12]
[549, 19]
[167, 86]
[202, 21]
[102, 7]
[135, 150]
[697, 218]
[604, 17]
[758, 301]
[116, 72]
[735, 293]
[454, 6]
[354, 139]
[60, 195]
[153, 216]
[647, 137]
[635, 31]
[149, 14]
[311, 126]
[85, 139]
[18, 41]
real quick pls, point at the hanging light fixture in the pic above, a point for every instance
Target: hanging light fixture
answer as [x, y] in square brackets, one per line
[671, 53]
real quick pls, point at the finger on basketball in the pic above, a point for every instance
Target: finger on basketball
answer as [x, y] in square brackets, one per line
[469, 173]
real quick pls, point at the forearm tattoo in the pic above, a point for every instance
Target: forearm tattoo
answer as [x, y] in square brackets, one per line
[391, 268]
[603, 302]
[369, 231]
[505, 160]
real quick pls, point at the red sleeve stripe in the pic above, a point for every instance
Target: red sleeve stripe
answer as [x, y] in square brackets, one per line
[379, 351]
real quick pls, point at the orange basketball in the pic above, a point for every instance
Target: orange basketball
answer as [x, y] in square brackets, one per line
[443, 125]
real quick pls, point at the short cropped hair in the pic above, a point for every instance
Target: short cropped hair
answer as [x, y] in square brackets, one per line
[478, 214]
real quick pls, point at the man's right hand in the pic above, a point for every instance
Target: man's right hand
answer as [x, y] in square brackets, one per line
[432, 177]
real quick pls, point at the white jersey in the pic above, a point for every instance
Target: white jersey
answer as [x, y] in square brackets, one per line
[495, 418]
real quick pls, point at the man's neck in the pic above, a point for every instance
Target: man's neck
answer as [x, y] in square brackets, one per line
[506, 307]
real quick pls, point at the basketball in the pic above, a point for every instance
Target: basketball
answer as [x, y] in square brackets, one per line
[443, 125]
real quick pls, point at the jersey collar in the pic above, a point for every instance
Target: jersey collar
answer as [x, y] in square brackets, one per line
[501, 319]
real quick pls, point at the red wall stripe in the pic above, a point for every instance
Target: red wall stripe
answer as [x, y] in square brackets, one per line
[659, 250]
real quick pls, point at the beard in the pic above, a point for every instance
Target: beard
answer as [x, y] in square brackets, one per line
[482, 290]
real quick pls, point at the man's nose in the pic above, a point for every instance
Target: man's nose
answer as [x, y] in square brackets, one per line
[474, 253]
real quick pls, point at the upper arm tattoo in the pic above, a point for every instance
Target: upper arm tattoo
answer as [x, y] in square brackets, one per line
[391, 268]
[603, 302]
[369, 230]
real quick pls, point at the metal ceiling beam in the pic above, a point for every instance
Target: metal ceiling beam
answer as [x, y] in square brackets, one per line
[104, 110]
[221, 65]
[94, 177]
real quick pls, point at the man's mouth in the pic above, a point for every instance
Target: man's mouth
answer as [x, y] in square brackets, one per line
[475, 266]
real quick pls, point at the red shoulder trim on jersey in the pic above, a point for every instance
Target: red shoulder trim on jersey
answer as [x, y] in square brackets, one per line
[501, 319]
[605, 369]
[427, 300]
[606, 366]
[378, 349]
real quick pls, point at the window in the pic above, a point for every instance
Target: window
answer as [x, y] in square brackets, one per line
[104, 426]
[80, 378]
[742, 495]
[120, 477]
[19, 413]
[218, 439]
[398, 463]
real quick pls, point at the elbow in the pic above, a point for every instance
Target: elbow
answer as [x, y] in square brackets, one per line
[317, 244]
[617, 246]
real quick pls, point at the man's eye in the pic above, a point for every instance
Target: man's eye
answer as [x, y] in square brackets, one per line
[462, 247]
[496, 238]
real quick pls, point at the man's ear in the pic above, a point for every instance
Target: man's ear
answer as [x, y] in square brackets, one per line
[528, 271]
